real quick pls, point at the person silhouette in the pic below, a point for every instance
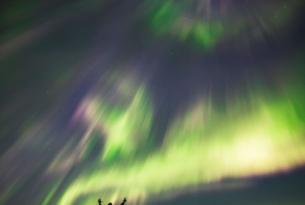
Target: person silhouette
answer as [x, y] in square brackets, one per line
[99, 201]
[124, 201]
[109, 203]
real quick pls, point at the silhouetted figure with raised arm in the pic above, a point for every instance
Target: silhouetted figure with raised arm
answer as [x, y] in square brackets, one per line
[124, 201]
[99, 201]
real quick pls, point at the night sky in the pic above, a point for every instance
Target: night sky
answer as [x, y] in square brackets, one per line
[162, 102]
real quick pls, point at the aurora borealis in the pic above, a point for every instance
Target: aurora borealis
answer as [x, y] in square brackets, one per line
[161, 102]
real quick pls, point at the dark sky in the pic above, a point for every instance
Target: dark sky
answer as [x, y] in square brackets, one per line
[53, 53]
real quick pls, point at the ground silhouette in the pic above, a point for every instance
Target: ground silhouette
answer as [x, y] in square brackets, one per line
[100, 202]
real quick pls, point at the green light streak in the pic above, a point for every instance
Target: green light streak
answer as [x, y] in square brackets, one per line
[167, 17]
[201, 146]
[207, 35]
[51, 193]
[125, 128]
[163, 19]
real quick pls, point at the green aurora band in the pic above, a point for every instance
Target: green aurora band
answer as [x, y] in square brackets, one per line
[202, 146]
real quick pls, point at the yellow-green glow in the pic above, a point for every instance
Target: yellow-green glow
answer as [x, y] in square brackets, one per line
[201, 146]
